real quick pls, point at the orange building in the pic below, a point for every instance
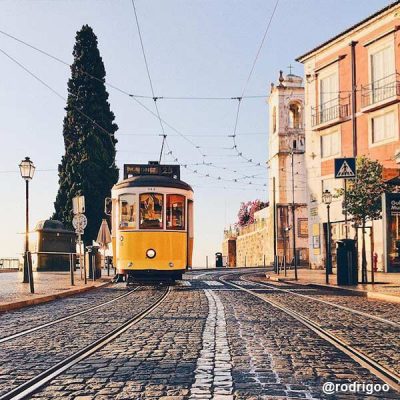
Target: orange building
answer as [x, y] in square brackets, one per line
[352, 98]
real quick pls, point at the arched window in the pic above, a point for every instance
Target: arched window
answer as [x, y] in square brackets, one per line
[294, 116]
[274, 120]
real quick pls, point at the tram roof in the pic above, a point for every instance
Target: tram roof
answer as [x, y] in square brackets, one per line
[153, 180]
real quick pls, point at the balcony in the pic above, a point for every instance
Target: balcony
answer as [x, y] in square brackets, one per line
[380, 93]
[330, 113]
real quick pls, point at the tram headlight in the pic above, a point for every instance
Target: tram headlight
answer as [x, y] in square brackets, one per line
[171, 264]
[150, 253]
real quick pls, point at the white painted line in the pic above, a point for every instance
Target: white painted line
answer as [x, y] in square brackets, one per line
[213, 374]
[213, 283]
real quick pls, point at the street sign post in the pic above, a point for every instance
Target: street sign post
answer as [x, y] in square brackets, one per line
[78, 205]
[79, 222]
[345, 168]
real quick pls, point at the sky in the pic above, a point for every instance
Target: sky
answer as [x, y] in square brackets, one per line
[196, 48]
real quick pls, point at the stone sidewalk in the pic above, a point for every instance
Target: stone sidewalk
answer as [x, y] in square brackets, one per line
[386, 286]
[48, 286]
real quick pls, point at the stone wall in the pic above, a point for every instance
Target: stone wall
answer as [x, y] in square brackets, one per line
[251, 248]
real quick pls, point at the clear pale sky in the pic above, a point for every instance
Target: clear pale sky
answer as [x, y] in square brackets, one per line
[194, 48]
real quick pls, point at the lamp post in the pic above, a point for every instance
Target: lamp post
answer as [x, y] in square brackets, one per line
[27, 170]
[327, 199]
[294, 220]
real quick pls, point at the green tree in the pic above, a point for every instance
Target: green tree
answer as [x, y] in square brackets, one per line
[88, 165]
[363, 200]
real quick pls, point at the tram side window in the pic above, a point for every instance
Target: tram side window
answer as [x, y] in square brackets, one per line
[127, 206]
[151, 211]
[175, 211]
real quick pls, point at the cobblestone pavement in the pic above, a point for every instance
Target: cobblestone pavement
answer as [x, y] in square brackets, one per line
[383, 309]
[156, 359]
[206, 340]
[10, 322]
[367, 335]
[27, 356]
[46, 283]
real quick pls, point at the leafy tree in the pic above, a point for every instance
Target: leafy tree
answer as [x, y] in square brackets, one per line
[88, 165]
[363, 199]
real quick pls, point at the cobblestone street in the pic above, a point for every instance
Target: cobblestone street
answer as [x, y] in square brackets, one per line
[214, 335]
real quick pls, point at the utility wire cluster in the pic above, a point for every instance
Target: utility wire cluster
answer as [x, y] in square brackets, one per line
[163, 123]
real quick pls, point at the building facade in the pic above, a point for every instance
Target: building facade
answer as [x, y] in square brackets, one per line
[352, 94]
[286, 170]
[272, 232]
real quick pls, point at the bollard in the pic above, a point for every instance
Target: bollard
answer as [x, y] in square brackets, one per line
[30, 272]
[93, 266]
[284, 265]
[84, 266]
[71, 268]
[277, 267]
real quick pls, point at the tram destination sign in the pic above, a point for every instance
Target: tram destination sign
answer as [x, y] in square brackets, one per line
[171, 171]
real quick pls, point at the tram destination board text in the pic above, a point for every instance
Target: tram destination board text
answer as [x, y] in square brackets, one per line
[171, 171]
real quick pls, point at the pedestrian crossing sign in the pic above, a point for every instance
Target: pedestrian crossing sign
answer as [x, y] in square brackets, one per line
[345, 168]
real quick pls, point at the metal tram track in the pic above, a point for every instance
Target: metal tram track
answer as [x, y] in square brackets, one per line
[29, 387]
[62, 319]
[351, 310]
[388, 376]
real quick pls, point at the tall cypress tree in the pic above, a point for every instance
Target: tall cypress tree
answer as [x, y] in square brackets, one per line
[88, 165]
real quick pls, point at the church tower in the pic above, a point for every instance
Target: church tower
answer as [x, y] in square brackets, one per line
[286, 165]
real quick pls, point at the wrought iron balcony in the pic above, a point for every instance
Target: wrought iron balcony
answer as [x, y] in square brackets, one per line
[331, 112]
[381, 92]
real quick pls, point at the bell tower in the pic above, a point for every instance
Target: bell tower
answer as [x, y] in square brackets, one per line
[286, 135]
[286, 163]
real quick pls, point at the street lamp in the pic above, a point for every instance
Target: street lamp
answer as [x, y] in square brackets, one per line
[327, 199]
[27, 170]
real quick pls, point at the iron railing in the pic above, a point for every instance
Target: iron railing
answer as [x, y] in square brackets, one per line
[9, 263]
[380, 90]
[335, 109]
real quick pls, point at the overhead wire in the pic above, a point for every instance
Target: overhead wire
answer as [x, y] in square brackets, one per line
[240, 98]
[195, 171]
[155, 98]
[53, 91]
[134, 97]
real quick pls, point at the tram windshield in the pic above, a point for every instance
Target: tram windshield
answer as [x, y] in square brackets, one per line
[175, 211]
[151, 211]
[127, 206]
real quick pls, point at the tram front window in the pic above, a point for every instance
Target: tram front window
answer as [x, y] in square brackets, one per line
[151, 211]
[127, 205]
[175, 211]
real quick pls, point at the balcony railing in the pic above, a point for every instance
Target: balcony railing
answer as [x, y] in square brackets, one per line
[331, 111]
[387, 88]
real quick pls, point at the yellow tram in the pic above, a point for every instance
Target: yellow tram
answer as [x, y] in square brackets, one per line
[152, 223]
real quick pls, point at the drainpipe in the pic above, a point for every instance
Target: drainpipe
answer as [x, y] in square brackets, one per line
[353, 96]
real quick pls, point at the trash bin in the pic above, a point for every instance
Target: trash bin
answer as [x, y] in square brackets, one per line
[347, 273]
[218, 260]
[94, 261]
